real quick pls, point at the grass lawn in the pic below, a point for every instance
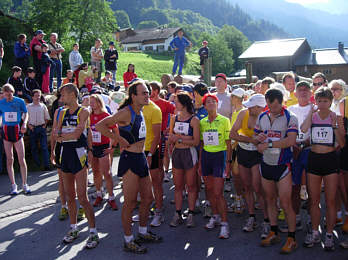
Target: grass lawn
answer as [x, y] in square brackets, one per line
[153, 66]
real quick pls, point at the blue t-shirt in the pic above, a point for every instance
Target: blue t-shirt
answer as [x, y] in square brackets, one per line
[11, 112]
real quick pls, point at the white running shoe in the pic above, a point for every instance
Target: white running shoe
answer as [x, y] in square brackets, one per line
[213, 222]
[157, 220]
[14, 190]
[224, 232]
[26, 189]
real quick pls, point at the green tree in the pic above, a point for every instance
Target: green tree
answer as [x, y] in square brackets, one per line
[153, 14]
[6, 6]
[122, 19]
[147, 25]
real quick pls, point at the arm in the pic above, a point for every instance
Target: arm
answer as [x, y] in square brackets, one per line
[172, 45]
[53, 139]
[236, 126]
[307, 122]
[37, 48]
[60, 49]
[156, 129]
[47, 116]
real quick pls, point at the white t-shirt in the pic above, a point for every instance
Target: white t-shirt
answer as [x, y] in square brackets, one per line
[301, 114]
[224, 105]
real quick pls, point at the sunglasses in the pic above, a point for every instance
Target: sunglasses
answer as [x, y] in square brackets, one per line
[134, 80]
[336, 89]
[318, 84]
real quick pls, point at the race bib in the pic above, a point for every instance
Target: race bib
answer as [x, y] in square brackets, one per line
[322, 135]
[302, 136]
[181, 128]
[68, 130]
[11, 117]
[247, 146]
[211, 138]
[96, 137]
[142, 130]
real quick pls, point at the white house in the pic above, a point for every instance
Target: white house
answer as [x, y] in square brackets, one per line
[155, 39]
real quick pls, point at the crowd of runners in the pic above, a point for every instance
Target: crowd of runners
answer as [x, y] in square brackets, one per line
[278, 144]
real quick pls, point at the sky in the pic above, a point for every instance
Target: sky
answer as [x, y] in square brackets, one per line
[332, 6]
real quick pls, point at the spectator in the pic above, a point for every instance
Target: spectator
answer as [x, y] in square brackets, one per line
[129, 75]
[108, 80]
[46, 63]
[96, 57]
[75, 61]
[56, 55]
[29, 82]
[38, 119]
[22, 52]
[36, 51]
[203, 55]
[171, 89]
[14, 111]
[69, 78]
[85, 76]
[179, 44]
[111, 57]
[16, 81]
[1, 52]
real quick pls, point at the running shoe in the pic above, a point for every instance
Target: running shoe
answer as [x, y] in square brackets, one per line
[345, 225]
[63, 214]
[329, 243]
[135, 218]
[189, 221]
[289, 247]
[157, 220]
[250, 225]
[26, 189]
[266, 228]
[166, 177]
[14, 190]
[344, 244]
[71, 236]
[213, 222]
[311, 239]
[224, 232]
[149, 237]
[281, 215]
[112, 204]
[98, 201]
[303, 193]
[134, 247]
[81, 214]
[271, 239]
[93, 241]
[207, 211]
[177, 220]
[231, 207]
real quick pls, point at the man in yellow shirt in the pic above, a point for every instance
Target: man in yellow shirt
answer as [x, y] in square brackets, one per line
[153, 121]
[289, 83]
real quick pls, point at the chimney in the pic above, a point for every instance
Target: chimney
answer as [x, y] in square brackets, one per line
[341, 48]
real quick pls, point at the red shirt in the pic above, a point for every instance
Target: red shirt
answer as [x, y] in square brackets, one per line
[97, 137]
[167, 108]
[127, 77]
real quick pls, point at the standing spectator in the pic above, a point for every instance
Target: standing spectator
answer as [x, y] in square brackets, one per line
[35, 48]
[96, 57]
[111, 57]
[46, 63]
[38, 118]
[16, 81]
[179, 44]
[69, 78]
[1, 52]
[203, 55]
[13, 111]
[22, 52]
[29, 82]
[75, 61]
[129, 75]
[56, 50]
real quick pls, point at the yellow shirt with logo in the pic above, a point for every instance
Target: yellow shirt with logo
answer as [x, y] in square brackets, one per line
[153, 115]
[292, 100]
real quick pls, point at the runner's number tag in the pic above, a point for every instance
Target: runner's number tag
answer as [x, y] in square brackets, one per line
[181, 128]
[142, 130]
[11, 117]
[211, 138]
[96, 137]
[322, 135]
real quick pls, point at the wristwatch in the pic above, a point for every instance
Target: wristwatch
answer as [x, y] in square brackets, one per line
[270, 144]
[149, 154]
[179, 140]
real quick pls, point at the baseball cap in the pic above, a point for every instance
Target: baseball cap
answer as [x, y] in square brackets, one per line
[239, 92]
[303, 83]
[187, 88]
[40, 32]
[255, 100]
[111, 43]
[221, 75]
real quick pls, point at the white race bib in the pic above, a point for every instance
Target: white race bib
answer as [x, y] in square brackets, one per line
[68, 130]
[11, 117]
[247, 146]
[142, 130]
[96, 137]
[211, 138]
[181, 128]
[302, 136]
[322, 135]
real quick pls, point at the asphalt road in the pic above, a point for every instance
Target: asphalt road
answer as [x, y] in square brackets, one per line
[30, 229]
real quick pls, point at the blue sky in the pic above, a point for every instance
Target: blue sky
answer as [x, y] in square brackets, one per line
[332, 6]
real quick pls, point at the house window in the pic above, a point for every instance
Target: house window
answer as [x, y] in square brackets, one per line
[160, 48]
[132, 48]
[149, 48]
[327, 72]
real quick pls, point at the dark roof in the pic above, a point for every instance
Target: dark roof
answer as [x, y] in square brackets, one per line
[330, 56]
[150, 34]
[273, 48]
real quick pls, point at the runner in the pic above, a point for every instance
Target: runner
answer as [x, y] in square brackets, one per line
[276, 131]
[133, 166]
[185, 138]
[249, 159]
[325, 131]
[13, 110]
[215, 142]
[101, 149]
[72, 133]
